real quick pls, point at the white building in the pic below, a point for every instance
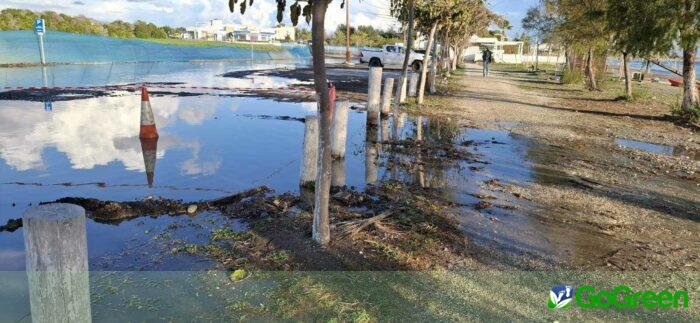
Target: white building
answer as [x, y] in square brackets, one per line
[216, 30]
[477, 44]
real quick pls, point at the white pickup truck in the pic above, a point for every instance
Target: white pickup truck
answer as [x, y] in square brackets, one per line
[391, 55]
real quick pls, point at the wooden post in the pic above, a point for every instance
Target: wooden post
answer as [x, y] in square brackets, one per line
[404, 88]
[385, 130]
[387, 96]
[339, 133]
[419, 129]
[413, 85]
[338, 170]
[310, 151]
[374, 93]
[57, 263]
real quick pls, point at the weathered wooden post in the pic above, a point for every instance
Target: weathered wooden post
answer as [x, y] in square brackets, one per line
[339, 133]
[387, 96]
[413, 85]
[57, 263]
[402, 94]
[371, 155]
[419, 128]
[310, 152]
[374, 93]
[385, 130]
[338, 169]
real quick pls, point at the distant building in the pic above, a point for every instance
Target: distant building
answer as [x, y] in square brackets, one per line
[216, 30]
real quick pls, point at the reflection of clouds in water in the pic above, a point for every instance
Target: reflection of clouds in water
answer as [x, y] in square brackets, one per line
[196, 114]
[195, 166]
[89, 132]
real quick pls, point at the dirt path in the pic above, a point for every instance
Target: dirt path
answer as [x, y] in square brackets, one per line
[605, 206]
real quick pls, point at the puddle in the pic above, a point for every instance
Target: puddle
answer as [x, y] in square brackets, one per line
[212, 146]
[641, 145]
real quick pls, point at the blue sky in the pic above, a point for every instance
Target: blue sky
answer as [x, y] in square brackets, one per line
[263, 12]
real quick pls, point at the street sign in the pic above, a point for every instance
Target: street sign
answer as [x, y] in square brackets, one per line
[39, 26]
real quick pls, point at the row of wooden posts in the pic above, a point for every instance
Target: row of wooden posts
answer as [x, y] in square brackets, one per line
[379, 105]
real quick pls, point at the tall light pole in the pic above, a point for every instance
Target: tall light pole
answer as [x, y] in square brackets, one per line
[347, 32]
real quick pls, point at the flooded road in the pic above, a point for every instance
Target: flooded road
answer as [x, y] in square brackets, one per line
[212, 146]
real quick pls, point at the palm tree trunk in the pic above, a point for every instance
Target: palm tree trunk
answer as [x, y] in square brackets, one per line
[321, 228]
[409, 47]
[628, 80]
[690, 91]
[426, 61]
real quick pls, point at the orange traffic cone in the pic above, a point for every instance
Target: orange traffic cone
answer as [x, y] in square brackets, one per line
[148, 122]
[149, 148]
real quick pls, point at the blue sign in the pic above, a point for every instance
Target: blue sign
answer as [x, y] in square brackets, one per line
[48, 106]
[39, 26]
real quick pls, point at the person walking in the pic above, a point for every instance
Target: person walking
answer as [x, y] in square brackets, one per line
[487, 57]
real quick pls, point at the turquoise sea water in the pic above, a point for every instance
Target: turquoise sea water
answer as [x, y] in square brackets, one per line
[22, 47]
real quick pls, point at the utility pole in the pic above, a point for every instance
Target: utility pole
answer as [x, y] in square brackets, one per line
[347, 32]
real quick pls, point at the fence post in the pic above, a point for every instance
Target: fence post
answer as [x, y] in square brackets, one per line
[374, 89]
[339, 133]
[310, 151]
[387, 96]
[57, 263]
[413, 85]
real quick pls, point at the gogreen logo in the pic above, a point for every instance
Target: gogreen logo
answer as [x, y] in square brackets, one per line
[621, 297]
[560, 296]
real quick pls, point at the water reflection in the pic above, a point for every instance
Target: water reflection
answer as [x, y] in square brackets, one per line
[149, 149]
[372, 145]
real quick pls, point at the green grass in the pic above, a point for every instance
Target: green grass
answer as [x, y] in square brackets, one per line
[207, 43]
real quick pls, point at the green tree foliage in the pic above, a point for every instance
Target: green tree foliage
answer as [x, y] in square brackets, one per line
[20, 19]
[364, 36]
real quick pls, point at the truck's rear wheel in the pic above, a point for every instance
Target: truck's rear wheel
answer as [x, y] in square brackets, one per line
[416, 66]
[375, 62]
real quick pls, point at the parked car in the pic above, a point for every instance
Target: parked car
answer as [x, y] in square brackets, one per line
[391, 56]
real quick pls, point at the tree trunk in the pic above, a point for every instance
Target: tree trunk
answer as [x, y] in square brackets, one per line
[621, 67]
[446, 53]
[628, 78]
[407, 57]
[426, 61]
[647, 69]
[321, 228]
[690, 91]
[454, 59]
[433, 70]
[537, 56]
[590, 70]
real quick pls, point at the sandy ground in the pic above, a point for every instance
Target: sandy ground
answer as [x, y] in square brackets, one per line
[642, 208]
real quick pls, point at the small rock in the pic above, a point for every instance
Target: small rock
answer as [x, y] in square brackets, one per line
[191, 209]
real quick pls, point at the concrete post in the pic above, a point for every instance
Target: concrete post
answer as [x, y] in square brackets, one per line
[310, 152]
[413, 85]
[57, 263]
[374, 89]
[338, 172]
[387, 96]
[339, 133]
